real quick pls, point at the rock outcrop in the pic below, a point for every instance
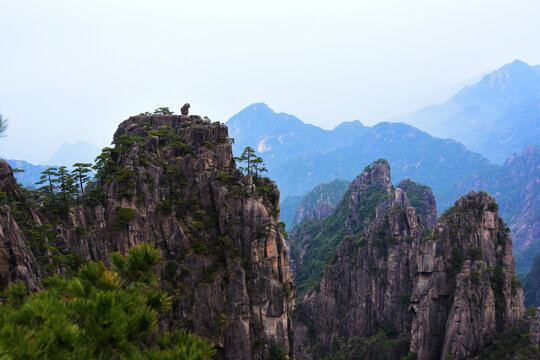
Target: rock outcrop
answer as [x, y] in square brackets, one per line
[17, 262]
[172, 181]
[467, 282]
[531, 284]
[320, 201]
[313, 241]
[398, 287]
[423, 200]
[517, 189]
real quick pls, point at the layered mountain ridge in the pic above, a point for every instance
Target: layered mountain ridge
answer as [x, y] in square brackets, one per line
[380, 276]
[516, 187]
[496, 116]
[300, 160]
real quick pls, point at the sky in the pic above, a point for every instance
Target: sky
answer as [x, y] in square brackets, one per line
[73, 70]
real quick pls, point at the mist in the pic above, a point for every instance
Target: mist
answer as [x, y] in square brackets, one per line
[71, 71]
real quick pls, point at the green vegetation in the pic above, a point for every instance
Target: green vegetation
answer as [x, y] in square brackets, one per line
[415, 192]
[3, 125]
[99, 314]
[384, 345]
[532, 283]
[332, 192]
[163, 110]
[122, 217]
[277, 353]
[514, 343]
[326, 234]
[255, 165]
[224, 176]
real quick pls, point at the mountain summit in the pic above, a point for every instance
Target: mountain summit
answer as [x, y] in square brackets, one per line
[281, 137]
[496, 117]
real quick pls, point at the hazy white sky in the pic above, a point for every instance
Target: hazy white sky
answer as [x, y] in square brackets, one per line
[72, 70]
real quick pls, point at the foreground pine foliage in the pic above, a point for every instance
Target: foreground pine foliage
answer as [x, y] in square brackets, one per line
[99, 314]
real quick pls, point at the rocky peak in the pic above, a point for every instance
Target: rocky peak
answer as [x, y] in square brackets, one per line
[8, 183]
[320, 201]
[17, 262]
[322, 209]
[466, 280]
[405, 289]
[524, 163]
[171, 180]
[423, 200]
[376, 174]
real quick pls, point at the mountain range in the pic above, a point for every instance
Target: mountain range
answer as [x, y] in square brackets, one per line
[301, 156]
[379, 278]
[497, 116]
[69, 154]
[281, 137]
[516, 186]
[66, 155]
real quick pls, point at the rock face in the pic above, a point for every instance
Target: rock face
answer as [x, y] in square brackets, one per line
[313, 241]
[517, 189]
[399, 288]
[320, 201]
[531, 284]
[17, 261]
[321, 210]
[423, 200]
[172, 181]
[467, 284]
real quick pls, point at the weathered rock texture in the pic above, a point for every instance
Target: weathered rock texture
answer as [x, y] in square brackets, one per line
[17, 261]
[469, 278]
[313, 241]
[517, 190]
[423, 200]
[531, 284]
[320, 201]
[399, 288]
[533, 323]
[321, 210]
[172, 181]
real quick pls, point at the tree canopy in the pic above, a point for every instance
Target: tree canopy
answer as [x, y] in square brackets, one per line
[3, 125]
[102, 313]
[255, 164]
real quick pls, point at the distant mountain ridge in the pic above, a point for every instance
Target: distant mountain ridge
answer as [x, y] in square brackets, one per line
[516, 186]
[30, 174]
[279, 136]
[311, 155]
[497, 116]
[69, 154]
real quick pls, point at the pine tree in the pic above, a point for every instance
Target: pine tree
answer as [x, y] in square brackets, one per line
[66, 185]
[3, 125]
[80, 172]
[101, 313]
[255, 164]
[48, 190]
[163, 110]
[102, 166]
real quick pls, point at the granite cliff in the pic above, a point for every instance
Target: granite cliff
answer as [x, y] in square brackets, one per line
[393, 287]
[379, 276]
[516, 187]
[172, 181]
[17, 262]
